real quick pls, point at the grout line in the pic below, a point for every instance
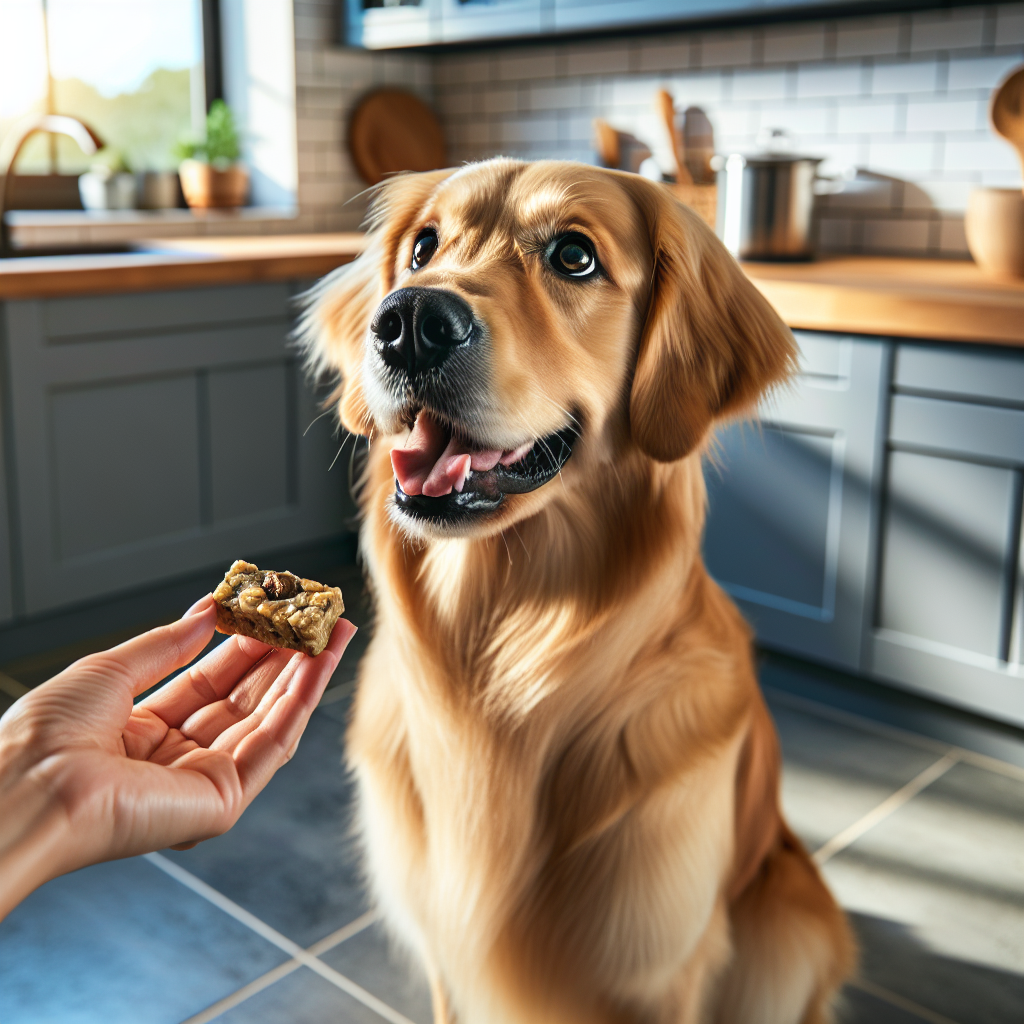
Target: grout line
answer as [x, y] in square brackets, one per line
[889, 806]
[307, 959]
[991, 764]
[281, 971]
[900, 1002]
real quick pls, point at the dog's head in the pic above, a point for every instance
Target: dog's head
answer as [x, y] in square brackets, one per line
[510, 323]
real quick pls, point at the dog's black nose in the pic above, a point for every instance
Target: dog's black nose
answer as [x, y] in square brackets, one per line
[416, 328]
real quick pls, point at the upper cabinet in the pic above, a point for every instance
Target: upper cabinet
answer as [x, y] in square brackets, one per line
[382, 24]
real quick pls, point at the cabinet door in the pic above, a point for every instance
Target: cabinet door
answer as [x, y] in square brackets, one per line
[790, 524]
[377, 25]
[492, 19]
[948, 617]
[157, 434]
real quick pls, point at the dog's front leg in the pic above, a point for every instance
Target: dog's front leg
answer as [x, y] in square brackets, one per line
[439, 997]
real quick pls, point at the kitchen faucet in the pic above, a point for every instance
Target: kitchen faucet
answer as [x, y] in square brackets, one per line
[55, 124]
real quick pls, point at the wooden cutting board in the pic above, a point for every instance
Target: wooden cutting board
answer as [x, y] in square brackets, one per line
[392, 130]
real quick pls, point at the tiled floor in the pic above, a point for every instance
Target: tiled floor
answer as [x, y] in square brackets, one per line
[922, 842]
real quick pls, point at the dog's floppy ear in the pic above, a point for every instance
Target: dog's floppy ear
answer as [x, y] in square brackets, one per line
[711, 344]
[339, 308]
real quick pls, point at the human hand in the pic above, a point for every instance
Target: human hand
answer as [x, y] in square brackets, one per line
[86, 776]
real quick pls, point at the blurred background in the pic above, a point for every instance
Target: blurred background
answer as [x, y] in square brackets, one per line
[176, 174]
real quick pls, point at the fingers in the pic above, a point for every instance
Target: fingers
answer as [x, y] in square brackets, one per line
[146, 659]
[206, 724]
[268, 738]
[207, 681]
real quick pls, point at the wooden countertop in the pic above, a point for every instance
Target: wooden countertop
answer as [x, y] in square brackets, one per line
[948, 300]
[162, 264]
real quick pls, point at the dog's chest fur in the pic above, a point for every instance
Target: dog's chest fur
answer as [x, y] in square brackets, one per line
[512, 772]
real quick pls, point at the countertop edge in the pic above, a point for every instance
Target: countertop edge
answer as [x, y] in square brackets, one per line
[887, 297]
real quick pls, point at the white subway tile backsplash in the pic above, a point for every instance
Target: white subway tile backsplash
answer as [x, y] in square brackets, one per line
[956, 29]
[735, 121]
[903, 157]
[868, 37]
[898, 236]
[978, 153]
[981, 72]
[667, 56]
[784, 44]
[500, 99]
[1009, 24]
[945, 116]
[835, 234]
[598, 59]
[759, 85]
[952, 238]
[527, 129]
[904, 77]
[797, 119]
[525, 65]
[901, 97]
[938, 194]
[829, 80]
[878, 117]
[726, 49]
[636, 91]
[555, 96]
[695, 89]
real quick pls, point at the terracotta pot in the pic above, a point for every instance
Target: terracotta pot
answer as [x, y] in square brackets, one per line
[995, 230]
[206, 186]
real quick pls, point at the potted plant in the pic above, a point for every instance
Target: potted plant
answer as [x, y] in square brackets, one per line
[210, 173]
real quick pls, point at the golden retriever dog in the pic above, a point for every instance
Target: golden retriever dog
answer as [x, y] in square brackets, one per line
[568, 780]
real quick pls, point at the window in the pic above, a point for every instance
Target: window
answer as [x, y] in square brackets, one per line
[132, 70]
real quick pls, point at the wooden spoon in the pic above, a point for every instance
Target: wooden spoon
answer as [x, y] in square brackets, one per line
[1007, 112]
[667, 108]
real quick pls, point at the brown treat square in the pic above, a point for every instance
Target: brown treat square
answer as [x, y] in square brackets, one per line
[278, 608]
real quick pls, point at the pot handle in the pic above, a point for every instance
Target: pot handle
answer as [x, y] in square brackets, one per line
[831, 184]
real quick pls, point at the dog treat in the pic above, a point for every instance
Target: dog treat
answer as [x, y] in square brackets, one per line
[278, 608]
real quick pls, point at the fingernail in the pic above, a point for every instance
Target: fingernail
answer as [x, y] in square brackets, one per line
[199, 606]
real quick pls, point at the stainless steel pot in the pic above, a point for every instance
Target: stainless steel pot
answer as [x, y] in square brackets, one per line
[766, 205]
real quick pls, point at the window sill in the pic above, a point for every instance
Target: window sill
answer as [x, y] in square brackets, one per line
[55, 229]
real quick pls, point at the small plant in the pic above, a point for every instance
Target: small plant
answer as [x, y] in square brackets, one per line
[221, 145]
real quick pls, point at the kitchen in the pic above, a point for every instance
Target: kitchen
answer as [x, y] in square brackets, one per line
[869, 527]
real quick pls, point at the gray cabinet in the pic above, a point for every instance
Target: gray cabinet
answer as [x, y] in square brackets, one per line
[948, 621]
[151, 435]
[792, 499]
[379, 24]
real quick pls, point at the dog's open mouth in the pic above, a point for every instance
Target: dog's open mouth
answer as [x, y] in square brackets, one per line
[440, 474]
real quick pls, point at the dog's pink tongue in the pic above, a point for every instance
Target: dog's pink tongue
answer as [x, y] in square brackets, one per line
[428, 465]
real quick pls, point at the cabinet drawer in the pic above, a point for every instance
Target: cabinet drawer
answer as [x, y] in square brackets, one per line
[92, 316]
[982, 431]
[971, 373]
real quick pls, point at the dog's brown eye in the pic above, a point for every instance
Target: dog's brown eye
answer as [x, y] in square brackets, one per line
[423, 248]
[572, 256]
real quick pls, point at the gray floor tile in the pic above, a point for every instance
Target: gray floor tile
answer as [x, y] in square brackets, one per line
[833, 774]
[370, 960]
[858, 1007]
[290, 860]
[300, 998]
[938, 892]
[121, 942]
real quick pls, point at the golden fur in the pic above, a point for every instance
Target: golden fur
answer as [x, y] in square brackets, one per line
[568, 780]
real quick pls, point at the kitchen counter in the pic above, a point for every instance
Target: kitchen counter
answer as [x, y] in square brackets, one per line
[947, 300]
[164, 264]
